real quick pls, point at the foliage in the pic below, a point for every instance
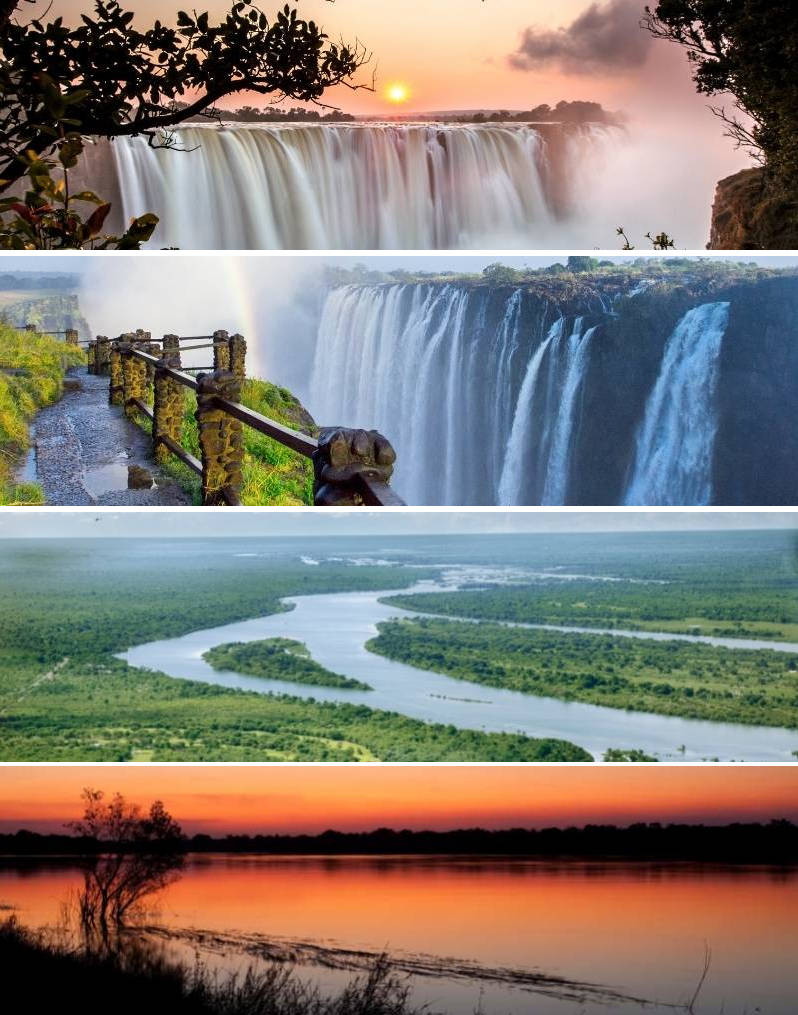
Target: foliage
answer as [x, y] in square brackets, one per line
[141, 855]
[46, 217]
[278, 659]
[660, 241]
[694, 681]
[746, 48]
[627, 754]
[33, 368]
[106, 78]
[500, 274]
[577, 263]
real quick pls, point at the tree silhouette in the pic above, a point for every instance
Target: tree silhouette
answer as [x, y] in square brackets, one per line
[745, 48]
[141, 854]
[106, 78]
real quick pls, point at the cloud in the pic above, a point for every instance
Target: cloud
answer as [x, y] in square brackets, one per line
[604, 37]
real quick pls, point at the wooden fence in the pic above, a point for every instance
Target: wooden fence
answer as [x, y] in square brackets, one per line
[350, 466]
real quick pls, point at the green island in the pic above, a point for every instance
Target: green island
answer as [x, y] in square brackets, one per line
[278, 659]
[68, 606]
[690, 680]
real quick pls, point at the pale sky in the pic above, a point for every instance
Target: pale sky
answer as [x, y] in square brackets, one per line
[29, 523]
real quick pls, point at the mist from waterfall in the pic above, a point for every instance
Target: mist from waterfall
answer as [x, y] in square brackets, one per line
[366, 186]
[673, 458]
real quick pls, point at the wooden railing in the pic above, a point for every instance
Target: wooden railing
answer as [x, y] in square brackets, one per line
[351, 467]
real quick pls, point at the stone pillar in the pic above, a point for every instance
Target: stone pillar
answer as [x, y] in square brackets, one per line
[71, 336]
[221, 439]
[168, 404]
[171, 348]
[116, 389]
[134, 378]
[90, 356]
[238, 356]
[342, 455]
[221, 350]
[103, 354]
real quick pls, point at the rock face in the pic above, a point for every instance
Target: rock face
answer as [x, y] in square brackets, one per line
[746, 216]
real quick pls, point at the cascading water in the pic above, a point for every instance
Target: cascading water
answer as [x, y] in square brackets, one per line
[481, 390]
[479, 413]
[673, 459]
[363, 186]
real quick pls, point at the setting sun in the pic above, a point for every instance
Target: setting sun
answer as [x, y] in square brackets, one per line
[397, 92]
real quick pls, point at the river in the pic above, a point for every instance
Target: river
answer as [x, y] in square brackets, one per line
[480, 927]
[335, 627]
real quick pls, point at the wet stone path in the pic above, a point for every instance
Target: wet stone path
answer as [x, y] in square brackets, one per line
[84, 448]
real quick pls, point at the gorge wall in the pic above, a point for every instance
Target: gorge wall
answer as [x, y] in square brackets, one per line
[652, 392]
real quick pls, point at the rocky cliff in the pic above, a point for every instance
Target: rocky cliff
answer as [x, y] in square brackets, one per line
[747, 215]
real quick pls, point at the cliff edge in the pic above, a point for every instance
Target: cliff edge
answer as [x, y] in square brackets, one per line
[746, 215]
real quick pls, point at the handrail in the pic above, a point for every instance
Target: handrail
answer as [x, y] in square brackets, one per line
[372, 491]
[293, 439]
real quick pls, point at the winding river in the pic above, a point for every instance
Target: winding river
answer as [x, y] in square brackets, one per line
[336, 626]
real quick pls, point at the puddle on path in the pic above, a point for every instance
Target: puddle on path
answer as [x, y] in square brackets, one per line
[111, 476]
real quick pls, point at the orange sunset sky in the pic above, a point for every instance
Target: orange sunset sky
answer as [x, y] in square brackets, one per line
[221, 799]
[483, 53]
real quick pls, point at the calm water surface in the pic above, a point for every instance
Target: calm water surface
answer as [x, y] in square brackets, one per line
[640, 930]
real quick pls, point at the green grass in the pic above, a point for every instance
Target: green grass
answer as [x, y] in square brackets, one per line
[278, 659]
[273, 474]
[694, 681]
[44, 361]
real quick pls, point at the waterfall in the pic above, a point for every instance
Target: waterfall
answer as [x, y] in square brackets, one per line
[364, 186]
[477, 393]
[674, 447]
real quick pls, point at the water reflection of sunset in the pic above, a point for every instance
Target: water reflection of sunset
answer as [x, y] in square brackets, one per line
[641, 926]
[220, 799]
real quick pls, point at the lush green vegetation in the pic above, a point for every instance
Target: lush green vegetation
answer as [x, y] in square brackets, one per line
[278, 659]
[582, 269]
[627, 754]
[67, 607]
[32, 368]
[737, 599]
[691, 680]
[273, 474]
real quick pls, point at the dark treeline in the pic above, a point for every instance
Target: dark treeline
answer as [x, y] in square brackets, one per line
[775, 842]
[28, 280]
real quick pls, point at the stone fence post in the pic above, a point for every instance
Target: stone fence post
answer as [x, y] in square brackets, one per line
[221, 439]
[71, 336]
[134, 376]
[171, 348]
[167, 406]
[103, 355]
[221, 350]
[238, 357]
[31, 328]
[116, 389]
[341, 456]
